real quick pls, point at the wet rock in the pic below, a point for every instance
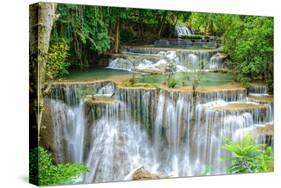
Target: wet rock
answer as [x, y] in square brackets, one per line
[142, 174]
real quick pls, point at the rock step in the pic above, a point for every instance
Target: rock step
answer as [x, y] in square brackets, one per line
[239, 107]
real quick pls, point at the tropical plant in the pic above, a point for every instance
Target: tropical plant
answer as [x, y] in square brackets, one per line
[43, 171]
[248, 157]
[172, 82]
[57, 67]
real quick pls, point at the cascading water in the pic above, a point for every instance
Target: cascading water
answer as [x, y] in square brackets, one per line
[139, 59]
[183, 31]
[65, 121]
[118, 145]
[169, 133]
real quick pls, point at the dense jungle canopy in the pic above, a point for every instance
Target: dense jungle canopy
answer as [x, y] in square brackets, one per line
[90, 31]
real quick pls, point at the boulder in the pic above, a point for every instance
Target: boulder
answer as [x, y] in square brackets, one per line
[142, 174]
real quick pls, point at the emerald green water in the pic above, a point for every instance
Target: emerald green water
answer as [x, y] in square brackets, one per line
[206, 79]
[96, 74]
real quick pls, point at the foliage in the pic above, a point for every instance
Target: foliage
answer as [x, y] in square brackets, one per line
[57, 67]
[43, 171]
[248, 157]
[248, 40]
[93, 30]
[172, 83]
[193, 37]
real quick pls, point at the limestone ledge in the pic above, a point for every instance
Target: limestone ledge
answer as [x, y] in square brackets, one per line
[268, 130]
[83, 82]
[147, 47]
[98, 100]
[151, 87]
[263, 99]
[238, 107]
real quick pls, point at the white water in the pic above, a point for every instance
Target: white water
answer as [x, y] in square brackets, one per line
[118, 145]
[65, 121]
[183, 31]
[183, 61]
[165, 132]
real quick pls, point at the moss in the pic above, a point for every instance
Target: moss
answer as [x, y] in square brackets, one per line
[220, 71]
[144, 86]
[238, 107]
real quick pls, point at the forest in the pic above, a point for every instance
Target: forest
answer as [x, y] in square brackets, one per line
[129, 94]
[248, 40]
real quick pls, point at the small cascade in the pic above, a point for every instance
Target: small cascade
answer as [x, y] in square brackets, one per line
[182, 31]
[172, 124]
[141, 59]
[107, 90]
[70, 93]
[258, 90]
[118, 145]
[68, 136]
[216, 62]
[228, 95]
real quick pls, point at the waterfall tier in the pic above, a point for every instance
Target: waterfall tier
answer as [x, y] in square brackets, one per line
[147, 58]
[114, 130]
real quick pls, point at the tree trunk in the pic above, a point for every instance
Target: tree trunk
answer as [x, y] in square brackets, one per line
[117, 36]
[42, 16]
[163, 20]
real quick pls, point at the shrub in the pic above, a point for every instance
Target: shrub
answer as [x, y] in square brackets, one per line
[43, 171]
[57, 67]
[245, 81]
[270, 84]
[248, 157]
[172, 83]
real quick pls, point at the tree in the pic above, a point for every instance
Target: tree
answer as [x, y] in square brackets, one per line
[248, 157]
[85, 28]
[43, 171]
[42, 17]
[248, 41]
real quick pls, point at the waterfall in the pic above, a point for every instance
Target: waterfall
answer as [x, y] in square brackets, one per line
[216, 62]
[141, 59]
[107, 90]
[118, 145]
[258, 90]
[183, 31]
[68, 124]
[166, 132]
